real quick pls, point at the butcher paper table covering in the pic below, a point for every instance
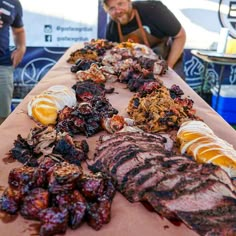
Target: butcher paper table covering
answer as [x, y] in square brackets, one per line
[127, 219]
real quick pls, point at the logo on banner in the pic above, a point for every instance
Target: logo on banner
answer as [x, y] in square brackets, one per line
[227, 16]
[48, 33]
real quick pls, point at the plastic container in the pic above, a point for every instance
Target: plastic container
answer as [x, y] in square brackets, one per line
[226, 102]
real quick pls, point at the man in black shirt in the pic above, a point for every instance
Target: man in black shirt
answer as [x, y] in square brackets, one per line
[10, 18]
[146, 22]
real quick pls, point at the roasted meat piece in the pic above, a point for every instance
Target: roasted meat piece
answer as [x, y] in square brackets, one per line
[10, 200]
[64, 177]
[82, 65]
[21, 178]
[98, 213]
[75, 203]
[23, 152]
[86, 117]
[72, 151]
[54, 221]
[86, 90]
[36, 201]
[77, 210]
[42, 172]
[99, 191]
[66, 173]
[93, 73]
[92, 187]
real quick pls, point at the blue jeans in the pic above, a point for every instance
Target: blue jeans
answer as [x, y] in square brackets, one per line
[6, 90]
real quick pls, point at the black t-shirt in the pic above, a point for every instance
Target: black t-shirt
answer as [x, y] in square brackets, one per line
[11, 16]
[155, 16]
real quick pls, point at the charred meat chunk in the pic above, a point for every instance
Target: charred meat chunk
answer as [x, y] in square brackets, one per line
[54, 221]
[36, 201]
[48, 142]
[98, 213]
[23, 152]
[42, 172]
[77, 209]
[66, 173]
[86, 90]
[21, 178]
[92, 187]
[10, 200]
[75, 203]
[73, 152]
[63, 178]
[86, 117]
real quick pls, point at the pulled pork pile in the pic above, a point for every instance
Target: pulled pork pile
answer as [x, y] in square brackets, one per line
[156, 108]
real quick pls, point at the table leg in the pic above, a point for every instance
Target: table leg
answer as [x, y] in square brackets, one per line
[204, 74]
[219, 88]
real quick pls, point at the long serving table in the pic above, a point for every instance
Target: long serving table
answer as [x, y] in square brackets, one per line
[127, 219]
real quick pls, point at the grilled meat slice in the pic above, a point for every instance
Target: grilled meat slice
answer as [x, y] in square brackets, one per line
[219, 220]
[174, 186]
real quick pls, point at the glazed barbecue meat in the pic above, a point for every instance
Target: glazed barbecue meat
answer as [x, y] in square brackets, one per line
[63, 177]
[10, 200]
[86, 117]
[96, 186]
[87, 90]
[175, 186]
[36, 201]
[83, 64]
[59, 194]
[75, 203]
[54, 221]
[42, 173]
[72, 151]
[135, 79]
[98, 213]
[21, 178]
[92, 50]
[99, 191]
[66, 173]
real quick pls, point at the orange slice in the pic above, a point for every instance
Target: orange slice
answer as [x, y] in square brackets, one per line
[45, 112]
[225, 161]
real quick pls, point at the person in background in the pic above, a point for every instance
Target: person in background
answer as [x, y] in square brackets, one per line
[10, 17]
[150, 23]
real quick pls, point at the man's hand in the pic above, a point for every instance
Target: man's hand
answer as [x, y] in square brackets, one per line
[19, 38]
[1, 22]
[17, 56]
